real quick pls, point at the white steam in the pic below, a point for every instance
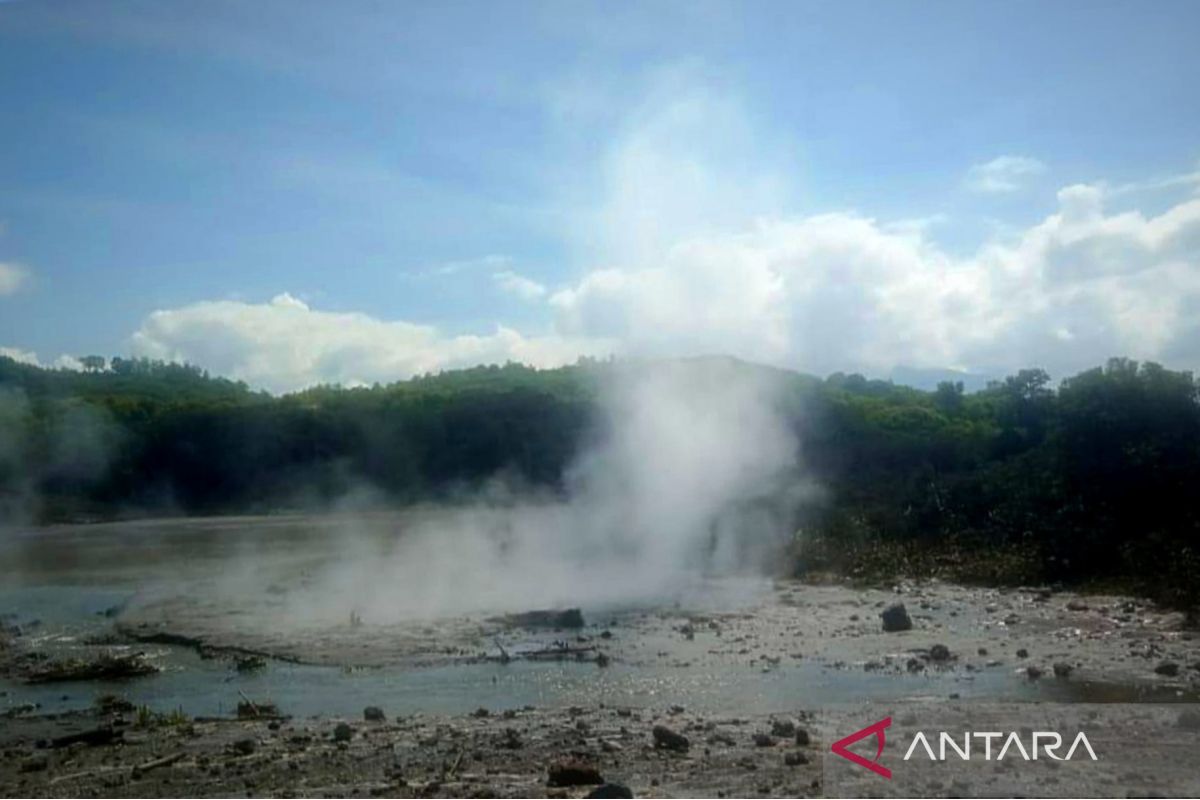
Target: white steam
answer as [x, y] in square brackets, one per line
[693, 473]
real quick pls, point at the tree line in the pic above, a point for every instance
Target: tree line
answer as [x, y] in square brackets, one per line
[1089, 480]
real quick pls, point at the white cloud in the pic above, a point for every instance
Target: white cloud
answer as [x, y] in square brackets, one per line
[843, 291]
[519, 285]
[825, 292]
[12, 278]
[284, 344]
[1003, 174]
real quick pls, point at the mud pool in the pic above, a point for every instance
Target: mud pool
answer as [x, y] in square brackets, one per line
[722, 646]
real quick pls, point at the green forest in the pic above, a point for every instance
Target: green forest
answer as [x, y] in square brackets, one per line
[1088, 481]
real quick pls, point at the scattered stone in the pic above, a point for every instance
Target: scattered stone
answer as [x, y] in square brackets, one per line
[1022, 653]
[895, 618]
[343, 732]
[374, 714]
[1168, 669]
[573, 772]
[939, 652]
[668, 739]
[983, 651]
[1062, 669]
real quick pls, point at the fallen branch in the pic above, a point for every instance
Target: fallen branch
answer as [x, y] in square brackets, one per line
[166, 761]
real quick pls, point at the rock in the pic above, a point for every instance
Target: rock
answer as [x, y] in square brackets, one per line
[244, 747]
[915, 665]
[802, 737]
[895, 618]
[35, 764]
[1062, 669]
[602, 660]
[374, 714]
[511, 740]
[794, 759]
[343, 732]
[1189, 720]
[939, 652]
[764, 740]
[1033, 673]
[668, 739]
[610, 790]
[1168, 669]
[1022, 653]
[983, 651]
[784, 728]
[550, 618]
[573, 772]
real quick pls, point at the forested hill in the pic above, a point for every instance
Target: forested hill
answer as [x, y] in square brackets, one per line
[1091, 479]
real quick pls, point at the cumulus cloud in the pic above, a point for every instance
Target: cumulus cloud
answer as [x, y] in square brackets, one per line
[12, 278]
[517, 284]
[688, 247]
[845, 291]
[1003, 174]
[284, 344]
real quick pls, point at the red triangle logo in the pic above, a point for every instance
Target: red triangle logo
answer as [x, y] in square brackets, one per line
[877, 729]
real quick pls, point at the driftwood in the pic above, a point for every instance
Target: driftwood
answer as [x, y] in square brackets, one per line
[94, 737]
[248, 709]
[558, 653]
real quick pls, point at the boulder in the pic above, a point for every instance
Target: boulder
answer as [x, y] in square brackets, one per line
[895, 618]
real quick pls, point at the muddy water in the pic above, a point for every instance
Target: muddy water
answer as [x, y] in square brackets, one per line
[66, 585]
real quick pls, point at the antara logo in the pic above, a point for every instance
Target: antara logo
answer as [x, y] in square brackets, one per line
[1049, 743]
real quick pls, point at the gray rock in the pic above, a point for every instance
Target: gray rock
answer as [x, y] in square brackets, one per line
[667, 739]
[895, 618]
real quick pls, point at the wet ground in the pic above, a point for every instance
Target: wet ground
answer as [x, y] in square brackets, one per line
[721, 649]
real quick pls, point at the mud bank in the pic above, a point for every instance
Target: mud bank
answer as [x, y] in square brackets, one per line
[959, 635]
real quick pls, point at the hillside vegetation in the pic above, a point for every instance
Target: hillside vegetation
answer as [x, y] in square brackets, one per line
[1089, 481]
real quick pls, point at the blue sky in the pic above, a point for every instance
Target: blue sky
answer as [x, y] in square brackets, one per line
[291, 192]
